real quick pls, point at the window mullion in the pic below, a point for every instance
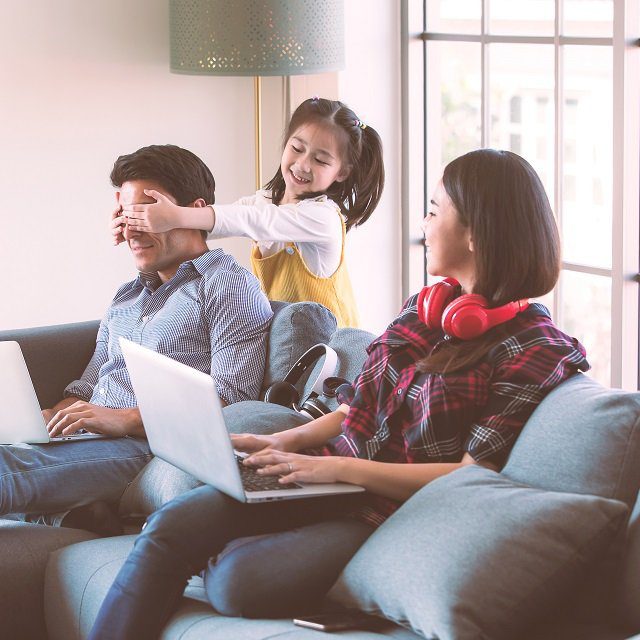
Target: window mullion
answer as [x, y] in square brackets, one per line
[626, 195]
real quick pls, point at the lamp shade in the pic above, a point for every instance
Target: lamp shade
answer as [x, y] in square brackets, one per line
[256, 37]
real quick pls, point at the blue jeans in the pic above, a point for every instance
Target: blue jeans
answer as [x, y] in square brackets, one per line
[300, 549]
[46, 478]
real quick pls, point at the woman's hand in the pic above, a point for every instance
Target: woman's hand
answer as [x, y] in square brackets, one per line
[116, 225]
[158, 217]
[295, 467]
[251, 443]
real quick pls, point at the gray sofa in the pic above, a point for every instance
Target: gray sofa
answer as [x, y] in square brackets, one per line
[547, 549]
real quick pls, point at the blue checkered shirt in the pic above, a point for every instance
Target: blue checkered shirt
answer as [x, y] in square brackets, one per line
[211, 316]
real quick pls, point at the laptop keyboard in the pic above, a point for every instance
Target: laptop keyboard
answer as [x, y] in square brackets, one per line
[253, 481]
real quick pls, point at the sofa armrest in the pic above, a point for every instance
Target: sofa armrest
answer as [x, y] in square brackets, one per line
[55, 355]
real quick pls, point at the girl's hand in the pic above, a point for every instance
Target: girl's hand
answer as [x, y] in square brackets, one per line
[251, 443]
[158, 217]
[116, 225]
[294, 467]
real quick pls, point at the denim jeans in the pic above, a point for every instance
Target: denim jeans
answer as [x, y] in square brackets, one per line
[46, 478]
[297, 550]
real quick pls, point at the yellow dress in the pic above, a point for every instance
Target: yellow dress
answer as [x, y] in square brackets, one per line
[285, 276]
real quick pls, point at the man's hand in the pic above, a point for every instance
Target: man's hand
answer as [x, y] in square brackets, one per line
[117, 224]
[96, 419]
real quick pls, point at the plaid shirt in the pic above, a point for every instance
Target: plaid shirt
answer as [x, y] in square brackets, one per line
[399, 414]
[211, 316]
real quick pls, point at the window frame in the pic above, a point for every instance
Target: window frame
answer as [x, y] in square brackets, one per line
[624, 276]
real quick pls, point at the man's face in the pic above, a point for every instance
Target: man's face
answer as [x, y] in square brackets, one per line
[157, 252]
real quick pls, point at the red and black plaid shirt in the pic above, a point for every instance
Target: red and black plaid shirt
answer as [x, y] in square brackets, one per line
[399, 414]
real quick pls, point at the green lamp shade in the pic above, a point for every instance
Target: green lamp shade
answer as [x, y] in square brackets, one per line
[256, 37]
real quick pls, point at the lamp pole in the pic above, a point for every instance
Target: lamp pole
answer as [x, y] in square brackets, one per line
[257, 90]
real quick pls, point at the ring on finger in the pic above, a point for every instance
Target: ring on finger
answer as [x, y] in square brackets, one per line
[290, 467]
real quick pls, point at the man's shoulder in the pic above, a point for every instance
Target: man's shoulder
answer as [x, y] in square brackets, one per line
[216, 263]
[133, 287]
[222, 272]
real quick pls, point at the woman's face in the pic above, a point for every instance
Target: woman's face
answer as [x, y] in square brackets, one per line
[448, 241]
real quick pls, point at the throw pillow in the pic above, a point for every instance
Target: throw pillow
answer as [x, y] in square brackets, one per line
[582, 438]
[295, 328]
[476, 556]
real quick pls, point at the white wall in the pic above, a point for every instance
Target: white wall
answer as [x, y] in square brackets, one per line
[370, 85]
[84, 82]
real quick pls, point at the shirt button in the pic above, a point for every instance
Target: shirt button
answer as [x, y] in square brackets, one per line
[289, 250]
[102, 392]
[145, 318]
[399, 391]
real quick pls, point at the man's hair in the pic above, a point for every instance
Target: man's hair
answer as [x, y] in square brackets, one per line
[179, 172]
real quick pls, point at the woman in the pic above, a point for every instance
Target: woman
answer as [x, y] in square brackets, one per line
[450, 383]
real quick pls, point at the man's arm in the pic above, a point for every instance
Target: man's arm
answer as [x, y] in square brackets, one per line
[75, 411]
[239, 316]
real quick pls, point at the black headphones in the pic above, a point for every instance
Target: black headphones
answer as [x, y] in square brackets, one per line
[284, 392]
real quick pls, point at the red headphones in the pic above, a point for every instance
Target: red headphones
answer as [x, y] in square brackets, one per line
[465, 317]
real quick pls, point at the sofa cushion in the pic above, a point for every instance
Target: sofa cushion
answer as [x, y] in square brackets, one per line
[160, 481]
[79, 576]
[295, 328]
[69, 346]
[475, 555]
[582, 438]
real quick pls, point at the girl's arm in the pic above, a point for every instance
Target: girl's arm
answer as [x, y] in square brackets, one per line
[164, 215]
[306, 222]
[161, 216]
[311, 221]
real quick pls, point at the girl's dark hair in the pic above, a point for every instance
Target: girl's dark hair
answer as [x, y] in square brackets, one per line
[358, 195]
[500, 198]
[180, 172]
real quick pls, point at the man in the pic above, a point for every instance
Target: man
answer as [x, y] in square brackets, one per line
[194, 305]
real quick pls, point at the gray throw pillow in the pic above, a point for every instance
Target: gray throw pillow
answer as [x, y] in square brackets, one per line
[295, 328]
[350, 346]
[582, 438]
[473, 555]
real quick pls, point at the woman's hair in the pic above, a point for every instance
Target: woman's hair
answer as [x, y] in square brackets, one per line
[516, 246]
[358, 195]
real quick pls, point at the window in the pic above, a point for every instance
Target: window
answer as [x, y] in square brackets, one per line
[557, 82]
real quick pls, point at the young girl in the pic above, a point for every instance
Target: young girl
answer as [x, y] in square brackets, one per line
[450, 383]
[330, 179]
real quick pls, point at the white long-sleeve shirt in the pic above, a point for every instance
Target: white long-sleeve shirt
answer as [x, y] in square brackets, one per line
[314, 226]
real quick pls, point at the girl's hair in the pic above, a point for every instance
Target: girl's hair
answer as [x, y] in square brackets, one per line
[500, 198]
[358, 195]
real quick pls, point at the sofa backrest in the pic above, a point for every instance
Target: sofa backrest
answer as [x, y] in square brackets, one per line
[55, 355]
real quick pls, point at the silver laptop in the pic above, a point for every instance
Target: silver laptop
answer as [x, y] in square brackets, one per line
[183, 419]
[20, 415]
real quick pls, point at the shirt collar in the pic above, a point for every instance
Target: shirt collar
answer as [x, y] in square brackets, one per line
[151, 280]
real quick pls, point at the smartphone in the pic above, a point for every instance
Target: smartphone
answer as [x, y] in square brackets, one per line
[339, 621]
